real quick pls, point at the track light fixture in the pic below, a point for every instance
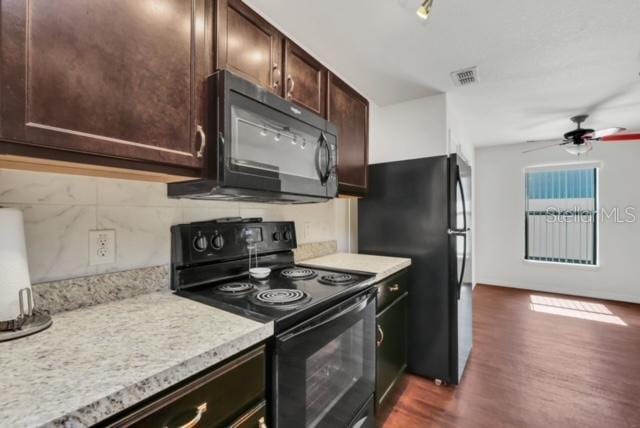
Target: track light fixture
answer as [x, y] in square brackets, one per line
[425, 9]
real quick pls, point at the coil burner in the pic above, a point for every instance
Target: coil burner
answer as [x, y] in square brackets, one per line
[298, 273]
[336, 279]
[280, 298]
[234, 289]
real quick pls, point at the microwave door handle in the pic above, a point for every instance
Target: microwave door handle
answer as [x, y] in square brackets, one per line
[317, 157]
[355, 308]
[322, 170]
[327, 171]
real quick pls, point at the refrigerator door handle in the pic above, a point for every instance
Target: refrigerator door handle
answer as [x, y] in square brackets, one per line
[458, 232]
[464, 263]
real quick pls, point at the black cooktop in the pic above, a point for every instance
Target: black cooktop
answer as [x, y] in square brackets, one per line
[288, 295]
[210, 263]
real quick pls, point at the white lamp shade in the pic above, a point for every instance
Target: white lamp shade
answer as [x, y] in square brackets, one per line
[14, 270]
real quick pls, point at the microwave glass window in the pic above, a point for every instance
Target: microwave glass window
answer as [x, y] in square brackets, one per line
[263, 144]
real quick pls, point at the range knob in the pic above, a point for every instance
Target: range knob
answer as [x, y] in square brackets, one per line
[217, 242]
[288, 236]
[276, 236]
[200, 243]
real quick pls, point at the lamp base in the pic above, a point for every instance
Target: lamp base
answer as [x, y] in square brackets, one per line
[32, 324]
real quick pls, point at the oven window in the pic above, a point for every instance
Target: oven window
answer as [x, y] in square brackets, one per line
[261, 143]
[325, 368]
[332, 371]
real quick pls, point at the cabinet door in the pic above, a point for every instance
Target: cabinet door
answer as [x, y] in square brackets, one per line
[248, 45]
[392, 347]
[116, 78]
[306, 79]
[349, 111]
[232, 395]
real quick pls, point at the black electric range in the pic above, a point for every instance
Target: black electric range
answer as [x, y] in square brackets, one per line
[322, 358]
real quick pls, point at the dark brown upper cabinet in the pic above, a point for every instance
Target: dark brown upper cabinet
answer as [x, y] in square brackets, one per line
[349, 111]
[306, 79]
[115, 79]
[248, 45]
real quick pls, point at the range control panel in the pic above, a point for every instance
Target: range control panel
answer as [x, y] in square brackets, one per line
[210, 241]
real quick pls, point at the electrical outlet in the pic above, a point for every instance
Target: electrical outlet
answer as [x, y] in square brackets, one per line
[102, 247]
[307, 230]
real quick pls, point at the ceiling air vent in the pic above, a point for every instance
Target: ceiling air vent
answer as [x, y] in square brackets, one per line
[465, 77]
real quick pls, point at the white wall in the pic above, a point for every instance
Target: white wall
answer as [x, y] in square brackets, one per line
[500, 224]
[59, 210]
[409, 130]
[458, 139]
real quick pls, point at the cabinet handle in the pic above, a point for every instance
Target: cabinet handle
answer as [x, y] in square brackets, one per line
[201, 409]
[262, 423]
[394, 287]
[291, 84]
[203, 141]
[379, 342]
[276, 71]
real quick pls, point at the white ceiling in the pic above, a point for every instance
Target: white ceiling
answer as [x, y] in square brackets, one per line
[540, 61]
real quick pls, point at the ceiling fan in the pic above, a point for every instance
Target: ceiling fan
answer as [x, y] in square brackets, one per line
[580, 140]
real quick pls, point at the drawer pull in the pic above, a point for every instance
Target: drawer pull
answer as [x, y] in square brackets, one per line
[394, 287]
[201, 409]
[262, 423]
[379, 342]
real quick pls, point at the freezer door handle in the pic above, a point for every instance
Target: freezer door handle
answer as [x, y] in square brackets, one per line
[462, 197]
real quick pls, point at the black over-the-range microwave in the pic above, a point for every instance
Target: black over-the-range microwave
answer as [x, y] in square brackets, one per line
[262, 148]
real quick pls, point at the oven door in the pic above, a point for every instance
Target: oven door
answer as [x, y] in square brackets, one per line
[325, 367]
[264, 148]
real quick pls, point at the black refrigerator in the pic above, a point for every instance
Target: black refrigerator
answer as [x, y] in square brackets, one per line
[421, 209]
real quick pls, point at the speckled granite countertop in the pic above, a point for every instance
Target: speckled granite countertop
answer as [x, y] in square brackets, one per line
[383, 267]
[95, 362]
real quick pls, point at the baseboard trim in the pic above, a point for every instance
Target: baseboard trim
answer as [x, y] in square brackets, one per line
[568, 291]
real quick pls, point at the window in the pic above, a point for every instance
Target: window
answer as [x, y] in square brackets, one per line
[561, 214]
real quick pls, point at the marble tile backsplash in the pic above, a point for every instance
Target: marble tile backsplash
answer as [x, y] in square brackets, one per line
[59, 210]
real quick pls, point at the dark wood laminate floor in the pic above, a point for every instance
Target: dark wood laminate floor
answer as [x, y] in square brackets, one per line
[538, 360]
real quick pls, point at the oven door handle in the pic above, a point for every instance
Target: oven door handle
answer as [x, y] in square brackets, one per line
[358, 307]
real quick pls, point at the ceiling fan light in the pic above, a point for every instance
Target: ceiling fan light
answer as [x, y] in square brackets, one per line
[425, 9]
[579, 149]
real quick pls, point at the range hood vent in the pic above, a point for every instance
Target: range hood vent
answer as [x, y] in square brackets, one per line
[466, 76]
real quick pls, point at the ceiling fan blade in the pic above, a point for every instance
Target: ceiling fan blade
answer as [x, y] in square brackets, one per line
[551, 140]
[605, 133]
[547, 147]
[620, 138]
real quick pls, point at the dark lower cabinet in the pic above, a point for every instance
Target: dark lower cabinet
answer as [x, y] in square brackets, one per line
[230, 396]
[391, 340]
